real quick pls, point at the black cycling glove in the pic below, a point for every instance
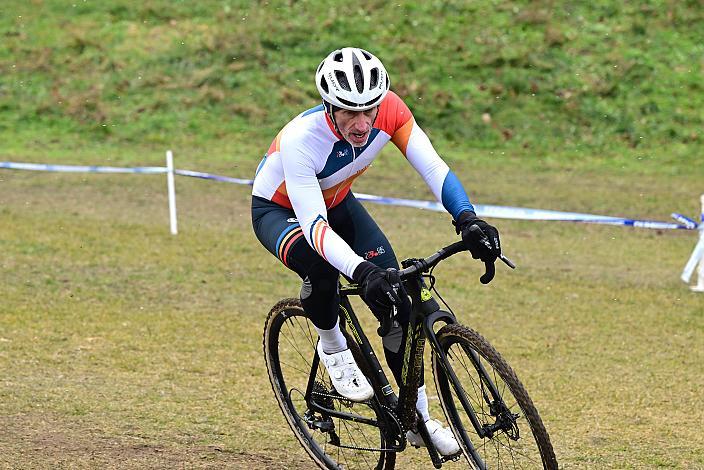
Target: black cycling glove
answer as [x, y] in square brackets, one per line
[486, 249]
[381, 288]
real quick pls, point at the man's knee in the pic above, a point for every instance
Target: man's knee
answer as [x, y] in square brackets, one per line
[320, 296]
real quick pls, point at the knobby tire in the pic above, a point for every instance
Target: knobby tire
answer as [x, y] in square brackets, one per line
[532, 449]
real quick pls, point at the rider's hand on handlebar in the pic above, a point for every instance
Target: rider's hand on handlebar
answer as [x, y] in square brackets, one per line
[484, 244]
[381, 288]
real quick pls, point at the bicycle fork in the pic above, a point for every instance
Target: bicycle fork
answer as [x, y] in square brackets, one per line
[425, 312]
[492, 398]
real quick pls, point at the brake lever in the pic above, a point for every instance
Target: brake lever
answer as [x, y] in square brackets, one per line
[490, 269]
[507, 261]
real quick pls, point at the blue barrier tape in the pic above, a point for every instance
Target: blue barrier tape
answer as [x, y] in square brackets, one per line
[81, 168]
[208, 176]
[686, 221]
[504, 212]
[483, 210]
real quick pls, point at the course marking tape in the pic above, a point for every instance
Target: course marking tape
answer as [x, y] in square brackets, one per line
[483, 210]
[505, 212]
[81, 168]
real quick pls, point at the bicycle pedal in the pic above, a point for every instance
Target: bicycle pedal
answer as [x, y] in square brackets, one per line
[454, 457]
[324, 426]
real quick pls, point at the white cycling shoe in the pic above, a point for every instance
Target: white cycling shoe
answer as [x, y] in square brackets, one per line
[443, 439]
[346, 377]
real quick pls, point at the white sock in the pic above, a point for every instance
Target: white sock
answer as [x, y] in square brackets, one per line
[332, 340]
[422, 404]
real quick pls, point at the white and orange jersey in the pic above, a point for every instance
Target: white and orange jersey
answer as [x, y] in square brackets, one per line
[309, 168]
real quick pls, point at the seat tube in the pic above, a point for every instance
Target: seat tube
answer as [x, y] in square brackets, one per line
[312, 377]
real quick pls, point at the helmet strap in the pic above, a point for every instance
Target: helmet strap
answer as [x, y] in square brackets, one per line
[330, 110]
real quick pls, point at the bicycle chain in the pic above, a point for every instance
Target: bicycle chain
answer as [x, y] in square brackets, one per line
[390, 412]
[399, 424]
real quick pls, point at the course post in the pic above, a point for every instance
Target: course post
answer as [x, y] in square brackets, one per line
[172, 191]
[700, 271]
[697, 257]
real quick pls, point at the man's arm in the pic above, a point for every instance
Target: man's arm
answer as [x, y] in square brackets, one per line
[307, 200]
[397, 120]
[446, 187]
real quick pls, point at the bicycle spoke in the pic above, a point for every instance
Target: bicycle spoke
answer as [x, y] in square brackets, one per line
[478, 405]
[294, 342]
[354, 442]
[311, 336]
[298, 369]
[513, 449]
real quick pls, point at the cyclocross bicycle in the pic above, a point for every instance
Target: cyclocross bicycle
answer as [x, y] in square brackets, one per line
[488, 409]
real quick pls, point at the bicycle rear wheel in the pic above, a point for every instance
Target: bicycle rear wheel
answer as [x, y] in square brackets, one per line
[332, 442]
[515, 436]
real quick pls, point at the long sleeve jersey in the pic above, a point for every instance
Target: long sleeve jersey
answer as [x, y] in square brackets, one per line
[310, 168]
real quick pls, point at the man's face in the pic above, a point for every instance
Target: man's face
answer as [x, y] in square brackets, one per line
[355, 126]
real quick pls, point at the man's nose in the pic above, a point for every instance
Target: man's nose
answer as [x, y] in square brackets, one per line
[361, 122]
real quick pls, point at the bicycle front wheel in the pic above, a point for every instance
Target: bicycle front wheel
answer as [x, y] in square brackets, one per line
[332, 442]
[488, 409]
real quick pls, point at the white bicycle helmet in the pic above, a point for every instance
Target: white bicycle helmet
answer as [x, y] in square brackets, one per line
[352, 78]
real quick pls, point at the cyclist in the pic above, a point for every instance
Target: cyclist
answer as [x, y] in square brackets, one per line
[304, 213]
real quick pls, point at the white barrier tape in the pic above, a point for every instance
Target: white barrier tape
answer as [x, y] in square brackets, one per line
[81, 168]
[504, 212]
[686, 221]
[501, 212]
[208, 176]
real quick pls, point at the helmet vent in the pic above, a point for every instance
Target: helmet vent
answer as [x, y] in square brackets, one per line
[366, 54]
[342, 80]
[374, 78]
[337, 57]
[324, 85]
[358, 79]
[358, 75]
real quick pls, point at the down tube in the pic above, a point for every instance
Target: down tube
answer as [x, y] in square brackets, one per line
[355, 329]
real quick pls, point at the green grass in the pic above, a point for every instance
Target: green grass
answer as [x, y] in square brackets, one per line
[587, 80]
[122, 346]
[120, 341]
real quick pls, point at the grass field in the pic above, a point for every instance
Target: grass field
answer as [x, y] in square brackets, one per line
[122, 346]
[595, 78]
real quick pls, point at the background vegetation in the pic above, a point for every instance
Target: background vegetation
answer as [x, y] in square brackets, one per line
[605, 80]
[124, 347]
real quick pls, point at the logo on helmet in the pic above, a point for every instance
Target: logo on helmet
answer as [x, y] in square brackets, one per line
[333, 82]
